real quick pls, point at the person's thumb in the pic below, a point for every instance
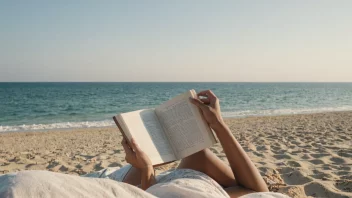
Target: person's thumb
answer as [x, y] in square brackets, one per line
[198, 103]
[135, 146]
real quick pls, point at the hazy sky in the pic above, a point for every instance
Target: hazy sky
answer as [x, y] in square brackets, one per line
[180, 41]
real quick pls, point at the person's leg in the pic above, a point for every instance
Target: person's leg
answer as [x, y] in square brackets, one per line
[207, 162]
[133, 177]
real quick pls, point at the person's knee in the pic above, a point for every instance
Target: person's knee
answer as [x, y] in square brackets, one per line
[203, 153]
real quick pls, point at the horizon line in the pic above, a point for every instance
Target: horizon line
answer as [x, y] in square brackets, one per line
[175, 81]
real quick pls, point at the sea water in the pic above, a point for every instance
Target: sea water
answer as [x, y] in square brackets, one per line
[45, 106]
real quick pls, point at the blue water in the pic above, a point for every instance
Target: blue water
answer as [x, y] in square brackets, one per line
[35, 106]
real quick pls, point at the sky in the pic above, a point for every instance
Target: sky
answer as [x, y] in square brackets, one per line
[236, 41]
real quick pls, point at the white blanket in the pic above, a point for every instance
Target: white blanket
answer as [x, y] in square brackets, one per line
[178, 183]
[49, 184]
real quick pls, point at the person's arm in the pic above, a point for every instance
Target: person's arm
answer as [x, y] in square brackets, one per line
[147, 178]
[140, 160]
[246, 174]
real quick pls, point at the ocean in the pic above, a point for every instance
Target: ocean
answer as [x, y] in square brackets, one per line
[46, 106]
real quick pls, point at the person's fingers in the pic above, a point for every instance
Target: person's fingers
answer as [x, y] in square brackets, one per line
[210, 95]
[207, 93]
[126, 147]
[198, 103]
[135, 146]
[124, 141]
[202, 93]
[205, 100]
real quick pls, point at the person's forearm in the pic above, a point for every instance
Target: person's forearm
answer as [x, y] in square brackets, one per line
[147, 178]
[246, 174]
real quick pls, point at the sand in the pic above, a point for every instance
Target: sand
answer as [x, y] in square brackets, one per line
[299, 155]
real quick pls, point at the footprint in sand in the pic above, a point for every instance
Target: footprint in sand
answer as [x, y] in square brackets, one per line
[78, 166]
[267, 170]
[341, 173]
[282, 156]
[285, 170]
[327, 167]
[316, 189]
[294, 164]
[346, 168]
[117, 151]
[263, 148]
[295, 142]
[272, 137]
[316, 161]
[348, 177]
[344, 185]
[337, 160]
[307, 146]
[292, 191]
[319, 150]
[258, 154]
[345, 154]
[276, 146]
[35, 167]
[280, 152]
[115, 164]
[295, 178]
[262, 163]
[321, 175]
[306, 156]
[320, 155]
[101, 165]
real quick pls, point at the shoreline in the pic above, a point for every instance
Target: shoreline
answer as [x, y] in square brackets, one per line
[299, 155]
[113, 124]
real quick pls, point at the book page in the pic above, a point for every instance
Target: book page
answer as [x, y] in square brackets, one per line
[144, 127]
[188, 133]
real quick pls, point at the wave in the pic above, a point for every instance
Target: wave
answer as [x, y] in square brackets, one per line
[272, 112]
[226, 114]
[62, 125]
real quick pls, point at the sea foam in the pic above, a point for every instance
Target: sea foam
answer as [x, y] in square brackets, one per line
[226, 114]
[272, 112]
[62, 125]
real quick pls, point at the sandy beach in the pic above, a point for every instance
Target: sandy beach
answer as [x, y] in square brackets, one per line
[300, 155]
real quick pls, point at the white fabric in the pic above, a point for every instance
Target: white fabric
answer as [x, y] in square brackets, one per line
[169, 184]
[265, 195]
[49, 184]
[186, 183]
[177, 183]
[114, 173]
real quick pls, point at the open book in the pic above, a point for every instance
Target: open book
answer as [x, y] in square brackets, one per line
[171, 131]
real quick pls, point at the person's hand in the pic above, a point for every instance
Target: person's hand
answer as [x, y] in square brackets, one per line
[135, 156]
[209, 106]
